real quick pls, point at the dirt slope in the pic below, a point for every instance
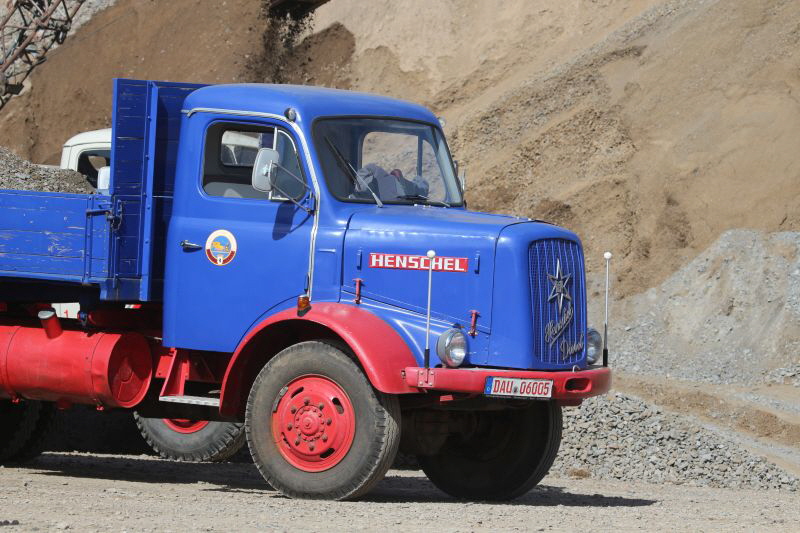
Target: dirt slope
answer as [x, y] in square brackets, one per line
[183, 40]
[647, 127]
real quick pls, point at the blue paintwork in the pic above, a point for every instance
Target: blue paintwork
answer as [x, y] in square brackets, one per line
[309, 102]
[144, 153]
[269, 267]
[156, 186]
[49, 236]
[514, 312]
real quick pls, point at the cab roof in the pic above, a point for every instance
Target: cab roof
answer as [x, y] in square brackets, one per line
[90, 137]
[309, 102]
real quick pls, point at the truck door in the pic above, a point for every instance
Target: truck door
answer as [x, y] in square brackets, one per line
[234, 254]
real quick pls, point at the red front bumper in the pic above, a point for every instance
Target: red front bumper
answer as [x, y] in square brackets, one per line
[568, 386]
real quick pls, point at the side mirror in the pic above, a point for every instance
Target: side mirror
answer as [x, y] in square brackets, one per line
[104, 180]
[264, 168]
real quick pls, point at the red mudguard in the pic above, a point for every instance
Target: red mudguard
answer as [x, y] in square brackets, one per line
[383, 354]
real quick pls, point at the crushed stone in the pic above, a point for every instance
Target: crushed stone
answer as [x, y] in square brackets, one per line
[621, 437]
[17, 173]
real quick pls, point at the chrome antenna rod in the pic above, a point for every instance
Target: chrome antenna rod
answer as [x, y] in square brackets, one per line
[431, 254]
[607, 256]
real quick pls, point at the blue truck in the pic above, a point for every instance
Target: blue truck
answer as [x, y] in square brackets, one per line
[299, 264]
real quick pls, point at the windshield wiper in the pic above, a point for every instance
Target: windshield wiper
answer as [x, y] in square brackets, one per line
[345, 165]
[423, 198]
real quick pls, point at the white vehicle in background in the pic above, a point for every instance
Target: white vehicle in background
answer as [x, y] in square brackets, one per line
[87, 153]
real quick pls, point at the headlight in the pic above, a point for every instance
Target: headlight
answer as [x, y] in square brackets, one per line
[452, 347]
[594, 345]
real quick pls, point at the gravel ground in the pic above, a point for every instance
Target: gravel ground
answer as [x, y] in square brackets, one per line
[80, 492]
[17, 173]
[621, 437]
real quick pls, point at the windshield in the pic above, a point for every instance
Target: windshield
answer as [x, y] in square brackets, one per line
[386, 161]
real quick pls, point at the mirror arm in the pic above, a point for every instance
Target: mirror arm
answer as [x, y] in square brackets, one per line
[295, 202]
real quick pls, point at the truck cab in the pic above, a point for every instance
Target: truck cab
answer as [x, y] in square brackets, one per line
[305, 264]
[87, 153]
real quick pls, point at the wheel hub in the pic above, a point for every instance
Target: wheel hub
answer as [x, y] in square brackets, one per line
[182, 425]
[314, 423]
[309, 421]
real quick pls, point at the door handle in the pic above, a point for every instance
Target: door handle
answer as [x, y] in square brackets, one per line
[186, 245]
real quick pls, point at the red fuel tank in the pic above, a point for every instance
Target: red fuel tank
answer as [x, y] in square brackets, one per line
[103, 369]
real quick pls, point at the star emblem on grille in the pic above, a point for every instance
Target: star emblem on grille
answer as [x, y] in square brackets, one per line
[559, 290]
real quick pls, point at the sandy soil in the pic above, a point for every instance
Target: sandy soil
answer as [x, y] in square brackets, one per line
[134, 493]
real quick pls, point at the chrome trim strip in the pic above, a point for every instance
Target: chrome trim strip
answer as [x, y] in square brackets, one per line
[309, 163]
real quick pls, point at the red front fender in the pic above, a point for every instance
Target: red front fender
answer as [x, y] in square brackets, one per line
[383, 354]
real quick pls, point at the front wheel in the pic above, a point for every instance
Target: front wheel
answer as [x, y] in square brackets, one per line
[316, 427]
[501, 457]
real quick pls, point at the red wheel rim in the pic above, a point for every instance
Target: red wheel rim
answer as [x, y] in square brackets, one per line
[314, 423]
[182, 425]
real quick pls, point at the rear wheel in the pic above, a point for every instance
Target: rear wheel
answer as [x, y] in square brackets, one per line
[503, 456]
[191, 440]
[24, 428]
[316, 427]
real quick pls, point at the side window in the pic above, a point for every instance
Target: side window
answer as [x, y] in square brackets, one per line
[229, 155]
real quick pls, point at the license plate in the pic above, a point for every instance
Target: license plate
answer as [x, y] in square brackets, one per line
[519, 387]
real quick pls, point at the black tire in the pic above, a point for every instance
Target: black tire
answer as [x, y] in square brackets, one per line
[24, 428]
[216, 442]
[506, 455]
[373, 417]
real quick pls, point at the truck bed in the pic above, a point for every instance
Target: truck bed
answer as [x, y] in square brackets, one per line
[115, 242]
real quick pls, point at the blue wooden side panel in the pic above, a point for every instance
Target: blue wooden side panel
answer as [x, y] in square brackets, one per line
[144, 146]
[53, 236]
[164, 111]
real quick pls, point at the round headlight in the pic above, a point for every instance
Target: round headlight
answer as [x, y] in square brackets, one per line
[594, 346]
[452, 347]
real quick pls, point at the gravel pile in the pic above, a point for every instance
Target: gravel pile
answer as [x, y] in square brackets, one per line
[621, 437]
[16, 173]
[786, 375]
[729, 316]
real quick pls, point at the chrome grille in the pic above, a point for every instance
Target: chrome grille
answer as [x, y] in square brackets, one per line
[544, 257]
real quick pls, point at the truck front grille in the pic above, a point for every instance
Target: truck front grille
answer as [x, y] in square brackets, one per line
[556, 336]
